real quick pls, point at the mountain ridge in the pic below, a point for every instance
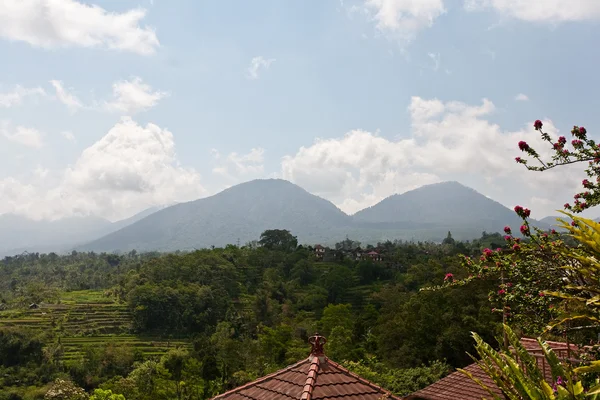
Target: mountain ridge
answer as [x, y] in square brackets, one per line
[242, 212]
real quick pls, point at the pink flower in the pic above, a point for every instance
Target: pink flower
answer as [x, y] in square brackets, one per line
[507, 229]
[573, 223]
[523, 146]
[519, 160]
[562, 140]
[586, 183]
[537, 124]
[567, 206]
[582, 130]
[449, 276]
[524, 230]
[522, 212]
[501, 291]
[577, 143]
[516, 247]
[553, 231]
[488, 253]
[541, 294]
[507, 237]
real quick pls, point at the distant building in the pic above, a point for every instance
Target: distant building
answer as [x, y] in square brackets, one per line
[319, 252]
[314, 378]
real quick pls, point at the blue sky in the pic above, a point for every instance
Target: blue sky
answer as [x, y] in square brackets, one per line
[112, 109]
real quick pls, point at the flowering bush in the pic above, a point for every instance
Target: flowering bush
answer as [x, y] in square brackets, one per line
[583, 149]
[65, 390]
[524, 270]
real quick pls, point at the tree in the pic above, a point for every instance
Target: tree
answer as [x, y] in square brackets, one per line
[578, 286]
[65, 390]
[449, 239]
[278, 239]
[100, 394]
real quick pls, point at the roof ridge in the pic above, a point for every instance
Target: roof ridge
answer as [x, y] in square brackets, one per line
[260, 380]
[311, 379]
[363, 380]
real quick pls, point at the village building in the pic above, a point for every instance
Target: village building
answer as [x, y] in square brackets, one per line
[319, 252]
[314, 378]
[459, 386]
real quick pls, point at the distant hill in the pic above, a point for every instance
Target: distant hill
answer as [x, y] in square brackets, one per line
[19, 234]
[439, 208]
[241, 213]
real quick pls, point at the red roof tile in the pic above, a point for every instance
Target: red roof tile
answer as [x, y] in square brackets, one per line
[314, 378]
[459, 386]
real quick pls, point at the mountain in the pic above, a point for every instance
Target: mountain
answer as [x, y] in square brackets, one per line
[438, 208]
[19, 234]
[240, 213]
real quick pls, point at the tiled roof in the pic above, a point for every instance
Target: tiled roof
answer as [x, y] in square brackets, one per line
[314, 378]
[459, 386]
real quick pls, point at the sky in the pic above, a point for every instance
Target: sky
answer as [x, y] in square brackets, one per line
[109, 107]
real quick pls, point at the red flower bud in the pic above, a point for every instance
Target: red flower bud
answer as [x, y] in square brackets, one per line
[523, 146]
[507, 229]
[524, 230]
[537, 124]
[488, 253]
[519, 160]
[582, 131]
[553, 231]
[577, 143]
[562, 140]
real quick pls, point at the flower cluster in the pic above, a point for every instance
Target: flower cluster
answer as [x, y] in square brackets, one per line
[584, 149]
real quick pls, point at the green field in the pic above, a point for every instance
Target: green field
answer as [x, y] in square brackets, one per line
[87, 318]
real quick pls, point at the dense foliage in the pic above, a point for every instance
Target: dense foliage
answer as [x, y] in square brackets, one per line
[245, 312]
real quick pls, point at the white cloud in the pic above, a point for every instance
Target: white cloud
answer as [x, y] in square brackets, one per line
[69, 23]
[131, 168]
[235, 167]
[40, 172]
[25, 136]
[521, 97]
[65, 97]
[436, 58]
[258, 63]
[68, 135]
[448, 141]
[18, 94]
[553, 11]
[133, 96]
[403, 19]
[128, 97]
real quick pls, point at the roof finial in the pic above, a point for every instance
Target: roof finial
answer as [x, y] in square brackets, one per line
[317, 342]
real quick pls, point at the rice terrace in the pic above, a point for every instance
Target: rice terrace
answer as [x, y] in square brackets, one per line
[88, 319]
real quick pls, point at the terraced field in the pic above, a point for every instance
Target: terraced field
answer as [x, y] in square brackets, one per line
[87, 318]
[149, 347]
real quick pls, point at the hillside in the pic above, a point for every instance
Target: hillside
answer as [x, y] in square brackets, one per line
[437, 209]
[19, 234]
[241, 212]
